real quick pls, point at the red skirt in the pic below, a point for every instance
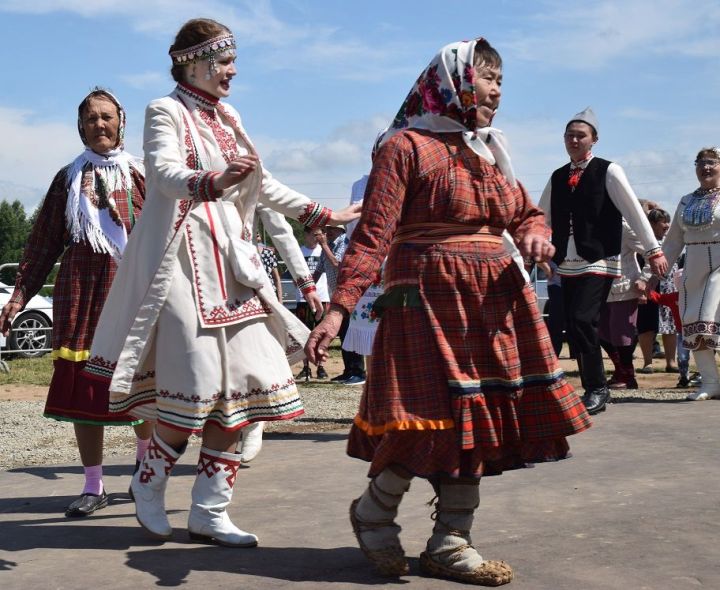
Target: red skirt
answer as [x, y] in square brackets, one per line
[75, 398]
[467, 382]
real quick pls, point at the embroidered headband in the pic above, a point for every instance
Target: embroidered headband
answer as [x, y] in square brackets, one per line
[205, 50]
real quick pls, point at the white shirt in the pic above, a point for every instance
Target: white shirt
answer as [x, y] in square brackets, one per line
[312, 257]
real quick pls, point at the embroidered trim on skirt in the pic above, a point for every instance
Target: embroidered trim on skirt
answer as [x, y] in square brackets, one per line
[231, 375]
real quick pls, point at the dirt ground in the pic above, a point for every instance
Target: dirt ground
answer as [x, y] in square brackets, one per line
[658, 380]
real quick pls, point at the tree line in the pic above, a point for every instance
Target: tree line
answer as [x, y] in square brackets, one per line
[15, 226]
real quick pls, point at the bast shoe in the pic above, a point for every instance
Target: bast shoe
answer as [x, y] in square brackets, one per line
[86, 504]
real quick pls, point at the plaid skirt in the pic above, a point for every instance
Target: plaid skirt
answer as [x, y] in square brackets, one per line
[465, 382]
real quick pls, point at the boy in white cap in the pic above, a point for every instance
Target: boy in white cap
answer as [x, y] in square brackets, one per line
[585, 202]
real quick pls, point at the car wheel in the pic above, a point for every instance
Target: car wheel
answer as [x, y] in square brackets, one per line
[30, 336]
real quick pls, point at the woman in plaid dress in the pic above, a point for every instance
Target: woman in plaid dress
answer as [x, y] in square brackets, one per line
[464, 381]
[87, 214]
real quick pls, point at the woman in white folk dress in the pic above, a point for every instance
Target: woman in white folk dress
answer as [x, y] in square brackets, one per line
[193, 335]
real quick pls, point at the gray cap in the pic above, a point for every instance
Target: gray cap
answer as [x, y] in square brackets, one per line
[586, 116]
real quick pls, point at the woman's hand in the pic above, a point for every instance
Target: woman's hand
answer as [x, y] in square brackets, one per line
[659, 265]
[536, 247]
[7, 316]
[547, 269]
[317, 345]
[344, 216]
[314, 303]
[236, 171]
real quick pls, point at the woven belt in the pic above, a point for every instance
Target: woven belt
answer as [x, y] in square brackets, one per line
[437, 233]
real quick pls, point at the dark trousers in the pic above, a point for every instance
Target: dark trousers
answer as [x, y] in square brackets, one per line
[584, 297]
[354, 362]
[556, 317]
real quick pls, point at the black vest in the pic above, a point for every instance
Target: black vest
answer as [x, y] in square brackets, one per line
[596, 222]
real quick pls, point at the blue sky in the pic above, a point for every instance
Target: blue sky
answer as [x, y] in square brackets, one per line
[319, 78]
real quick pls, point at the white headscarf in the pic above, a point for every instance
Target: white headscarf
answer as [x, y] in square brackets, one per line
[90, 216]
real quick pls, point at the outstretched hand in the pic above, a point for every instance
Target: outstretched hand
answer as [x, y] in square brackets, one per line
[346, 215]
[318, 343]
[536, 247]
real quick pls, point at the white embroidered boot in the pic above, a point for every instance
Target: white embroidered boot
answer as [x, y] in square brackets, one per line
[208, 521]
[252, 438]
[372, 516]
[710, 386]
[449, 552]
[148, 487]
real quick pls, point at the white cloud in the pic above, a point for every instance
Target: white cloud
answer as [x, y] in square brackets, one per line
[36, 151]
[593, 34]
[324, 168]
[283, 45]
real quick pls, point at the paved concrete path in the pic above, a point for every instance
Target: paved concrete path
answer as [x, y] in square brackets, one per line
[637, 508]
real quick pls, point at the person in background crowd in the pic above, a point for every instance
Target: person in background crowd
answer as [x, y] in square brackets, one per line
[585, 202]
[88, 212]
[332, 254]
[695, 227]
[671, 300]
[311, 251]
[556, 313]
[270, 263]
[657, 319]
[618, 317]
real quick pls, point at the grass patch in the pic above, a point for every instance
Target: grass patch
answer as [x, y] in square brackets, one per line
[37, 371]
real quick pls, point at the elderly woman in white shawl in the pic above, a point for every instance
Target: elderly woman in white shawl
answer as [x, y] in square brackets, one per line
[84, 221]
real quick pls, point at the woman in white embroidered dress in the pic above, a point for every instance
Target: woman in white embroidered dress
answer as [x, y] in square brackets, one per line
[696, 227]
[193, 342]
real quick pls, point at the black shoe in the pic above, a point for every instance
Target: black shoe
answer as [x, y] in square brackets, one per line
[683, 382]
[595, 400]
[321, 373]
[355, 380]
[86, 504]
[304, 374]
[340, 378]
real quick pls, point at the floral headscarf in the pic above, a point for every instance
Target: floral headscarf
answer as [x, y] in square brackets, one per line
[443, 100]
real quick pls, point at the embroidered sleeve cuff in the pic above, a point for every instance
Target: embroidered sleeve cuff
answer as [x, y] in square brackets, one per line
[306, 285]
[201, 186]
[654, 253]
[315, 215]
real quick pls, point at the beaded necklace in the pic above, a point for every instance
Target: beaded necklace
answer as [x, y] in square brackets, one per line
[699, 211]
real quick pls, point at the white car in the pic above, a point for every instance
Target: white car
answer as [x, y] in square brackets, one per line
[31, 334]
